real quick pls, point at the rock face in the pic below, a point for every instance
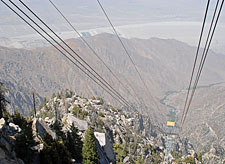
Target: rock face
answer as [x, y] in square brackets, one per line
[71, 119]
[7, 153]
[106, 145]
[40, 128]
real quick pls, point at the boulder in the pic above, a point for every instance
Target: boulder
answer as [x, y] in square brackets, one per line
[106, 145]
[40, 128]
[96, 102]
[126, 159]
[2, 123]
[80, 124]
[14, 127]
[2, 154]
[5, 144]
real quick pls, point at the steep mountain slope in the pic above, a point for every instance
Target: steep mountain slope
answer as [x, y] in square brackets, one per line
[204, 126]
[164, 64]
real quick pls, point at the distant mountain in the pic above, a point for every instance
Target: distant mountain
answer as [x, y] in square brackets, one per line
[165, 66]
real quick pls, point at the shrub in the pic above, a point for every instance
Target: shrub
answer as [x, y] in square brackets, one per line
[190, 160]
[120, 152]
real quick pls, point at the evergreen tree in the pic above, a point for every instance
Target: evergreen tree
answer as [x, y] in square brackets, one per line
[120, 152]
[200, 157]
[189, 159]
[25, 140]
[54, 152]
[89, 151]
[74, 144]
[139, 160]
[19, 120]
[3, 101]
[57, 128]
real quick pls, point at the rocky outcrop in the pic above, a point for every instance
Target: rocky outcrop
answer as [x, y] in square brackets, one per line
[106, 145]
[112, 126]
[40, 128]
[7, 139]
[69, 119]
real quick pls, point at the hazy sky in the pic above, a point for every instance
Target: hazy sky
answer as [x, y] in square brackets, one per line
[119, 9]
[86, 14]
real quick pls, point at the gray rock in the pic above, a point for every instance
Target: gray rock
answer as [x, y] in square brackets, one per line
[2, 154]
[40, 128]
[80, 124]
[14, 127]
[2, 123]
[126, 159]
[11, 161]
[106, 145]
[102, 157]
[4, 143]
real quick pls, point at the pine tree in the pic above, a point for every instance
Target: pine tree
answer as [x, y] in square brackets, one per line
[89, 151]
[3, 101]
[25, 139]
[54, 152]
[74, 144]
[57, 128]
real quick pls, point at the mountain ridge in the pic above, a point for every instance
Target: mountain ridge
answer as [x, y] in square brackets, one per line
[164, 64]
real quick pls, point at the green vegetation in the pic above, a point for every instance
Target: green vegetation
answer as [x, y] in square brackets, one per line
[98, 124]
[89, 151]
[3, 101]
[79, 113]
[74, 144]
[68, 94]
[54, 152]
[101, 114]
[59, 96]
[176, 155]
[57, 128]
[19, 120]
[199, 157]
[67, 146]
[120, 152]
[53, 95]
[139, 161]
[101, 100]
[74, 99]
[25, 139]
[76, 111]
[189, 160]
[43, 104]
[114, 109]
